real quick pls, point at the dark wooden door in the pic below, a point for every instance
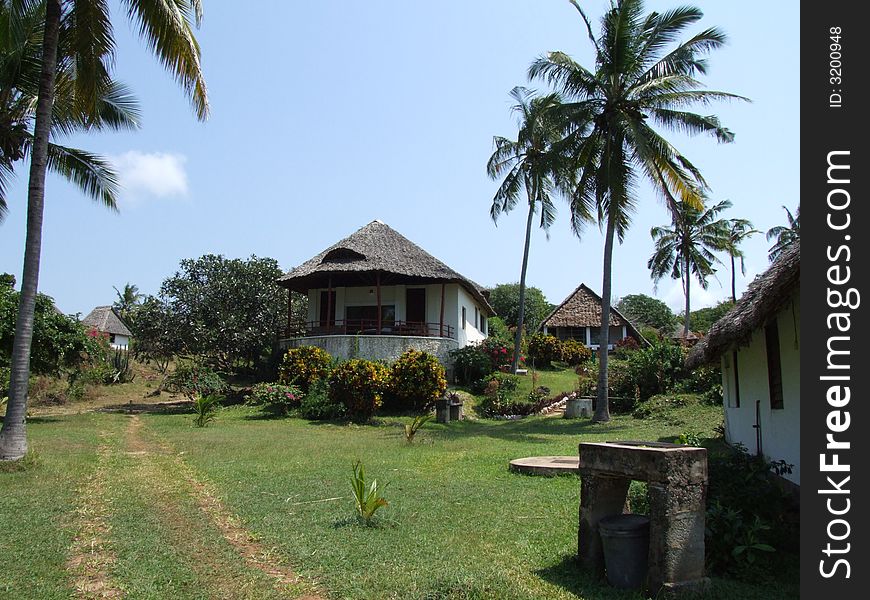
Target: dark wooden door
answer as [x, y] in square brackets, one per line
[327, 305]
[415, 305]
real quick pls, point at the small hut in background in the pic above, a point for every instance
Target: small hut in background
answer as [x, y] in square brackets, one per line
[106, 320]
[579, 318]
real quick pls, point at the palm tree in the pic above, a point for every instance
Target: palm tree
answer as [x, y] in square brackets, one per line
[636, 83]
[686, 248]
[528, 163]
[20, 61]
[166, 28]
[784, 236]
[127, 299]
[739, 230]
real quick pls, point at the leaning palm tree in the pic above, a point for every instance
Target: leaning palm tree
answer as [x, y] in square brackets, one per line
[20, 62]
[167, 30]
[739, 230]
[784, 236]
[528, 163]
[636, 84]
[687, 247]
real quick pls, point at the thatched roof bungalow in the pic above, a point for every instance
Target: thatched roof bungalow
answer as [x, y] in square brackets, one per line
[579, 318]
[757, 345]
[375, 293]
[106, 320]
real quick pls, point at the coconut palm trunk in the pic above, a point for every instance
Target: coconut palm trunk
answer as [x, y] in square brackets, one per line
[733, 280]
[13, 438]
[687, 283]
[602, 403]
[518, 338]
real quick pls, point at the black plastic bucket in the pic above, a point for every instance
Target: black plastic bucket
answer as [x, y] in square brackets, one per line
[626, 546]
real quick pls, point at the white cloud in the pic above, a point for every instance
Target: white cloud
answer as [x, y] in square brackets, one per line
[145, 175]
[701, 298]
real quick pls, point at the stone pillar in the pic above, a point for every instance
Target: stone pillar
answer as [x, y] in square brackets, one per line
[600, 496]
[676, 553]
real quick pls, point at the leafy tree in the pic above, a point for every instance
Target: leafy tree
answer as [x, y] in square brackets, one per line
[739, 230]
[783, 235]
[528, 163]
[59, 341]
[7, 280]
[228, 310]
[505, 299]
[155, 335]
[81, 31]
[646, 311]
[636, 84]
[703, 318]
[686, 248]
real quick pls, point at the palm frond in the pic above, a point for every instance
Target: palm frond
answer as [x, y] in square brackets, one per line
[93, 174]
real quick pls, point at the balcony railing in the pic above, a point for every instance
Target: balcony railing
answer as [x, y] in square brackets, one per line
[370, 327]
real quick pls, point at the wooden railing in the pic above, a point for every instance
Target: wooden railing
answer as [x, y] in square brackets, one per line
[370, 327]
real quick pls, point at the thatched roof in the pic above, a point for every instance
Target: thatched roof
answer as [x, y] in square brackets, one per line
[376, 249]
[106, 320]
[582, 308]
[764, 298]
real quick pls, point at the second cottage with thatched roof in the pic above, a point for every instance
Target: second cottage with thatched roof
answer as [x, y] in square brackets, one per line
[375, 294]
[579, 318]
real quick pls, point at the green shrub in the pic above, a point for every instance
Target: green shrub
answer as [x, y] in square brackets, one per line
[574, 352]
[359, 384]
[194, 380]
[204, 408]
[275, 397]
[500, 353]
[416, 381]
[544, 349]
[742, 526]
[638, 498]
[470, 364]
[304, 365]
[657, 368]
[626, 347]
[318, 406]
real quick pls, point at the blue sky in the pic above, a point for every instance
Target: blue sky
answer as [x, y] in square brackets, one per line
[326, 116]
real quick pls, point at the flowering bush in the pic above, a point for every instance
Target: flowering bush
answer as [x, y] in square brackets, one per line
[275, 397]
[574, 352]
[470, 364]
[304, 365]
[194, 380]
[625, 347]
[544, 349]
[359, 385]
[498, 352]
[416, 381]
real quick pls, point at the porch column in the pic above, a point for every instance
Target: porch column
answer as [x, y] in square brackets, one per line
[378, 287]
[441, 318]
[329, 319]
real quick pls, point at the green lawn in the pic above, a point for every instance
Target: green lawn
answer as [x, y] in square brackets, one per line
[459, 525]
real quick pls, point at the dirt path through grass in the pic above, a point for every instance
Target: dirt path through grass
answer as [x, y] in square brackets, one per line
[91, 559]
[173, 482]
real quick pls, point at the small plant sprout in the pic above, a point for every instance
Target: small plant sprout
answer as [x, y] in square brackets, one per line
[368, 500]
[204, 408]
[412, 427]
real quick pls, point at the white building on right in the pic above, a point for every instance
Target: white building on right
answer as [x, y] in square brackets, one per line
[758, 346]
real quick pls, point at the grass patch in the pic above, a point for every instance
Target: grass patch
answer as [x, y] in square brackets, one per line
[458, 525]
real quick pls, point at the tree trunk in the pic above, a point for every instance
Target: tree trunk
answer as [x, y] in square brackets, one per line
[518, 338]
[733, 281]
[602, 402]
[688, 283]
[13, 436]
